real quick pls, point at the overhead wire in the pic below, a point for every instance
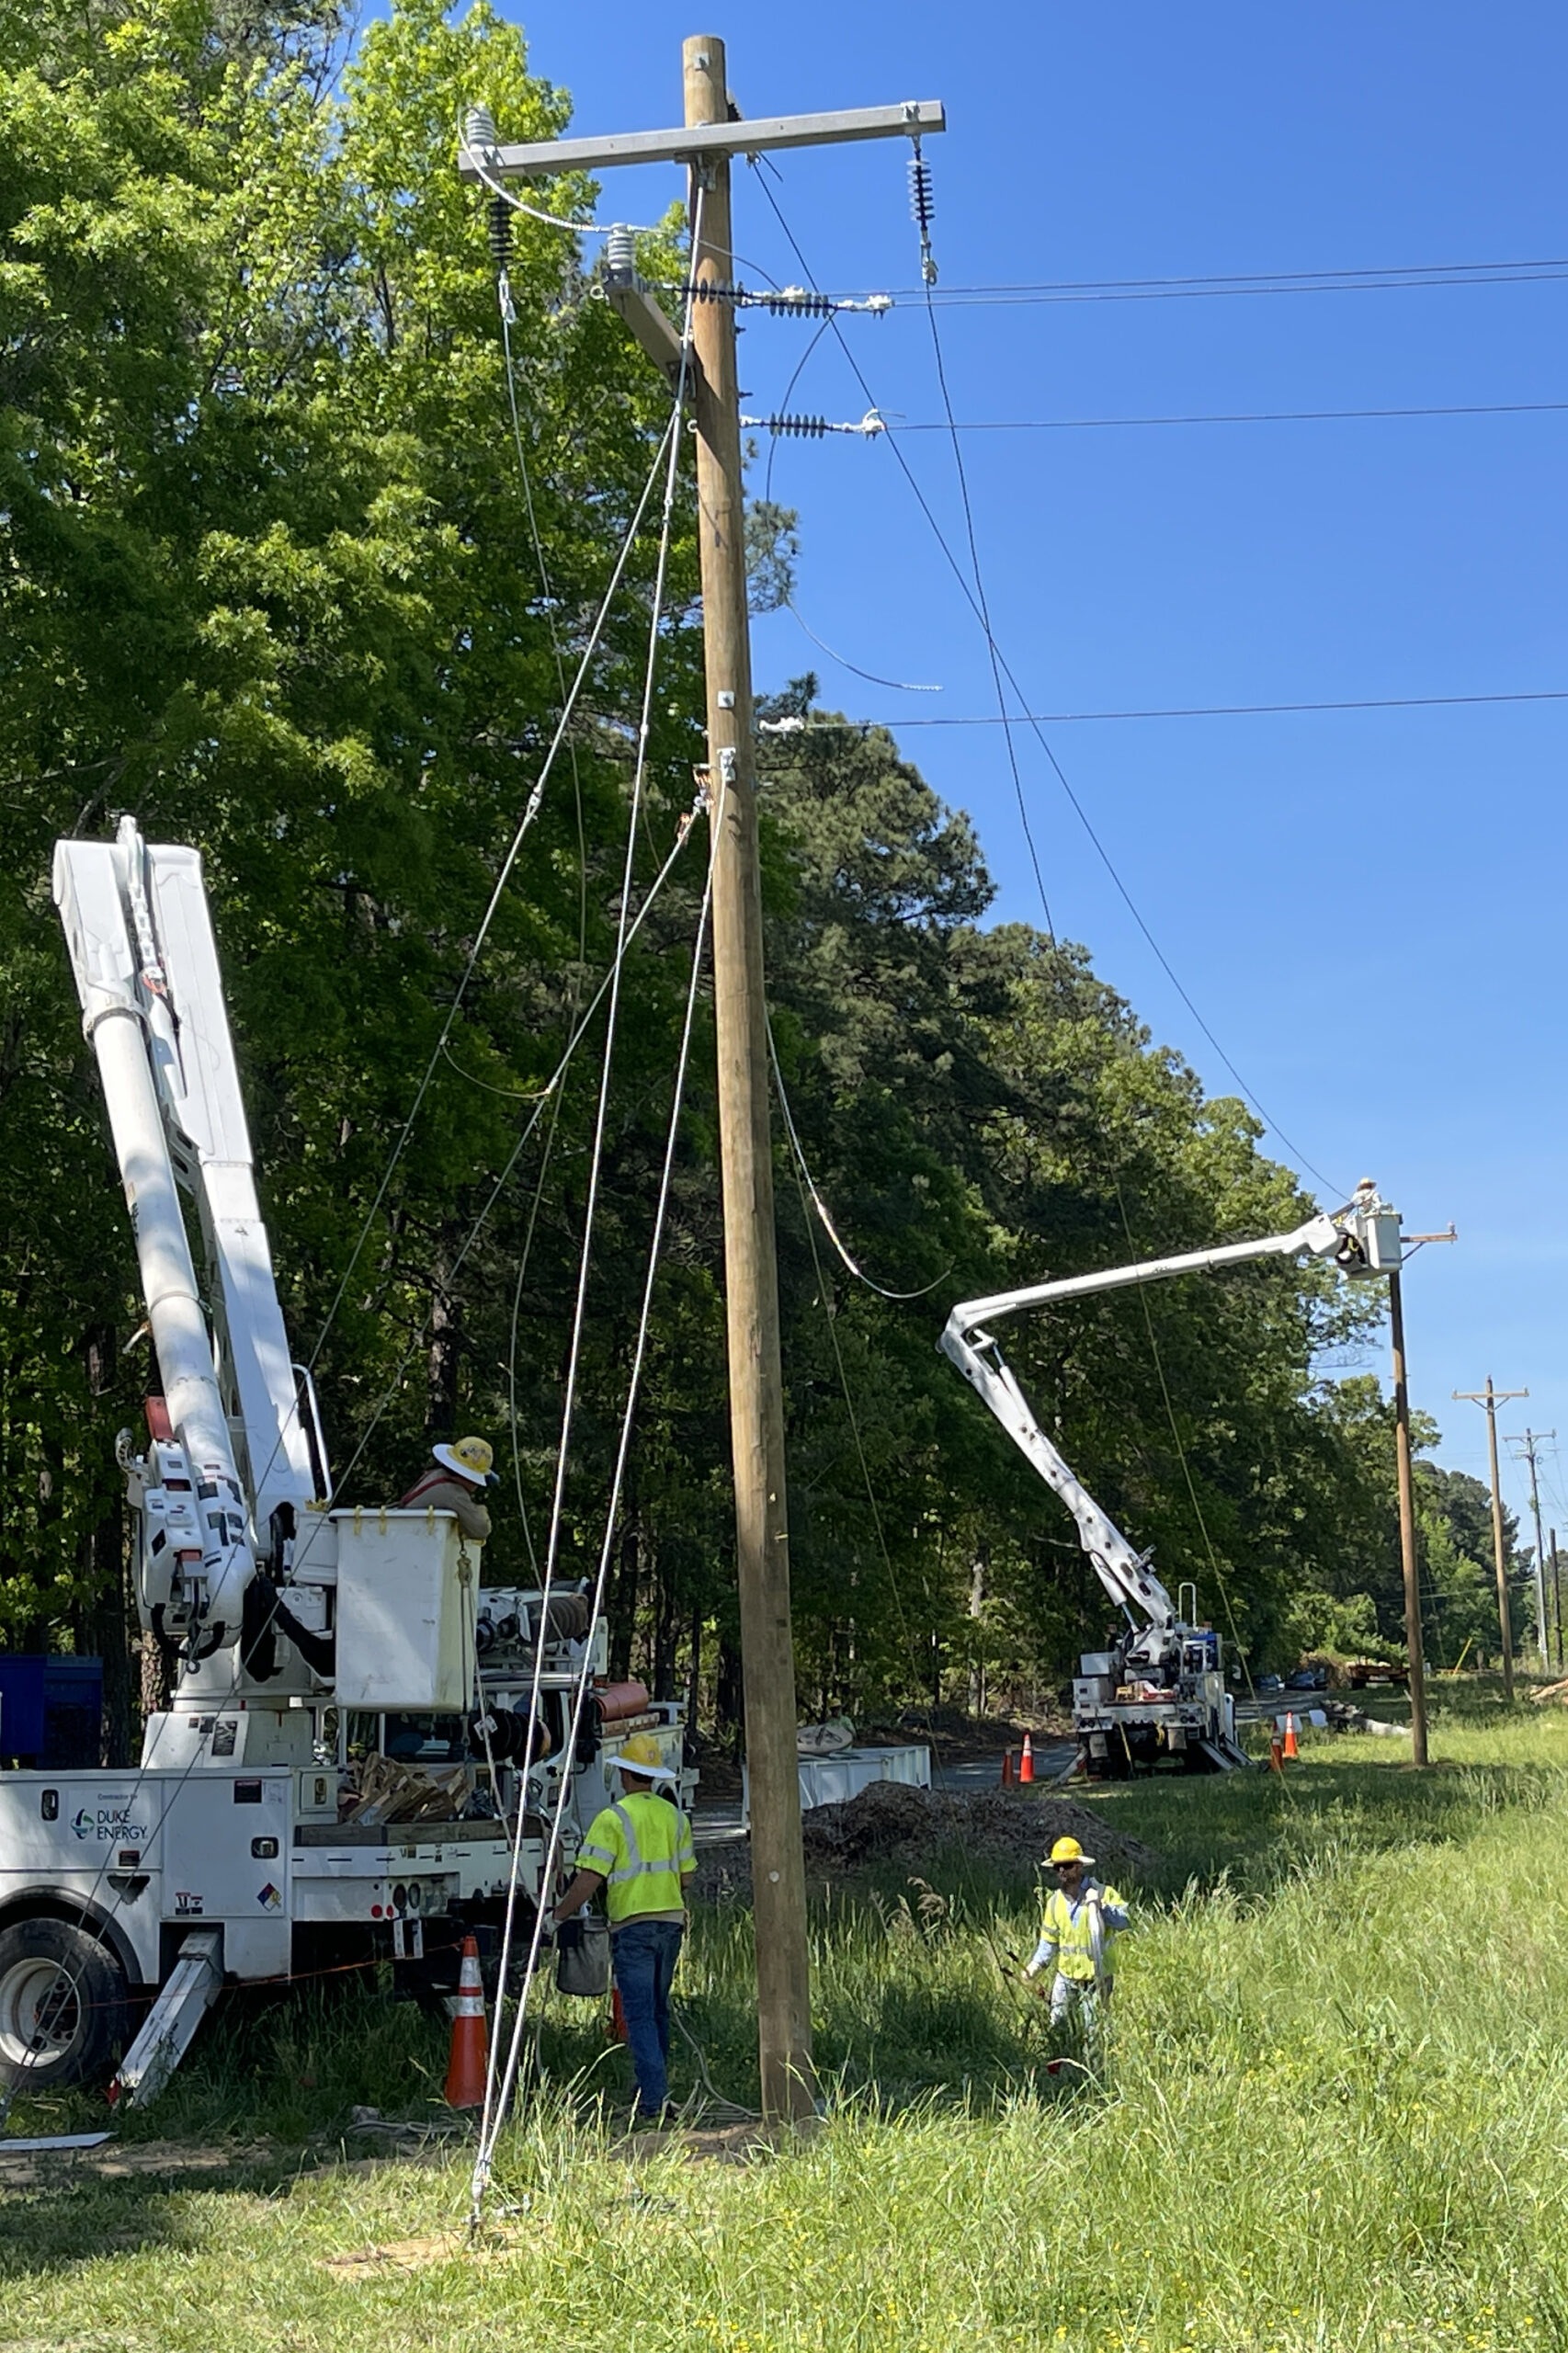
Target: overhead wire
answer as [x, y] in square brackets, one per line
[803, 1185]
[980, 600]
[1198, 1513]
[892, 438]
[1237, 416]
[1395, 279]
[497, 2094]
[668, 439]
[503, 293]
[798, 1149]
[899, 685]
[1224, 710]
[501, 2085]
[504, 1177]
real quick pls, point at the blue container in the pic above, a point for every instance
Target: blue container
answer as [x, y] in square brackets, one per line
[51, 1709]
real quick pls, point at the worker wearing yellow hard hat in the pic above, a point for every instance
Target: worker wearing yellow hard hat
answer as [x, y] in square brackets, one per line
[462, 1474]
[639, 1851]
[1080, 1922]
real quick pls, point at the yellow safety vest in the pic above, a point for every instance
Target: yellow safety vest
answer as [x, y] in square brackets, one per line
[640, 1846]
[1068, 1928]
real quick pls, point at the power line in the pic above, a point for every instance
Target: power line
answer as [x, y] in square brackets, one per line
[982, 604]
[1222, 709]
[1240, 416]
[1414, 277]
[1034, 724]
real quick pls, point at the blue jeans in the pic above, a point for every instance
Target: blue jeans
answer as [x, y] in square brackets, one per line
[642, 1959]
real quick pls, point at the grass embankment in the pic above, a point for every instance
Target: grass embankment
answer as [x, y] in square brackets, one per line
[1334, 2116]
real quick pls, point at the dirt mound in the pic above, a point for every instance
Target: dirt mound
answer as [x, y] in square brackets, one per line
[890, 1822]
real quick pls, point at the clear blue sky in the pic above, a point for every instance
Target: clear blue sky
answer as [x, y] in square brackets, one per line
[1365, 907]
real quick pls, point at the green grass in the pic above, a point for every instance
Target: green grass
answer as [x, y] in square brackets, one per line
[1334, 2115]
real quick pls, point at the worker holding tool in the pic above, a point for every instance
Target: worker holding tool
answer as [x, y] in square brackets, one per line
[461, 1475]
[639, 1850]
[1080, 1921]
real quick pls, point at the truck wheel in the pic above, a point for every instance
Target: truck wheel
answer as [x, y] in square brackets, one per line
[62, 2006]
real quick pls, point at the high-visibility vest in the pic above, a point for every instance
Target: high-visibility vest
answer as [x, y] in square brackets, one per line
[1071, 1928]
[640, 1846]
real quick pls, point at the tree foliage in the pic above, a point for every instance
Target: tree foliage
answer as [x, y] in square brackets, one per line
[275, 576]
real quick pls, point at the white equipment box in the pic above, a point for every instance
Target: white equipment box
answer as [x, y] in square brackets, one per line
[407, 1610]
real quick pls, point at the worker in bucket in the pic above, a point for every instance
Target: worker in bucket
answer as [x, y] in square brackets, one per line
[462, 1474]
[639, 1850]
[1081, 1920]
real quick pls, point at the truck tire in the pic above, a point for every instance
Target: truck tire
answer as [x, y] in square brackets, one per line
[62, 2006]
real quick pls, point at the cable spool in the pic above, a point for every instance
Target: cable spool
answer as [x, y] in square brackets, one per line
[508, 1732]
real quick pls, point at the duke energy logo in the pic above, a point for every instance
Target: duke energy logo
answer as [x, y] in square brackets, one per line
[107, 1821]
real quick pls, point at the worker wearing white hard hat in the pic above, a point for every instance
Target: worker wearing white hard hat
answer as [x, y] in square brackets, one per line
[1080, 1920]
[462, 1474]
[639, 1851]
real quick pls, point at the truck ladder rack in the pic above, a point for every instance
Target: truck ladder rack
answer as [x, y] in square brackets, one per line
[171, 2023]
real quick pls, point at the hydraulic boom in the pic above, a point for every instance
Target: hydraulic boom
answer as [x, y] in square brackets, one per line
[1171, 1670]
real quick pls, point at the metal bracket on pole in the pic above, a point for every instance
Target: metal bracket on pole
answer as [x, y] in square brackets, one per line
[696, 142]
[652, 330]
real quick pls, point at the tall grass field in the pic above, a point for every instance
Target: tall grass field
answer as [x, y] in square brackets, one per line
[1332, 2111]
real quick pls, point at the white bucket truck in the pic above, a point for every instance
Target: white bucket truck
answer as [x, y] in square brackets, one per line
[306, 1641]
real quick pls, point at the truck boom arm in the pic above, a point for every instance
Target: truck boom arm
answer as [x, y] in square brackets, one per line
[140, 943]
[1124, 1572]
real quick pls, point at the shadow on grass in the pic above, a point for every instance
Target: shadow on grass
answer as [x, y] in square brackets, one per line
[62, 2224]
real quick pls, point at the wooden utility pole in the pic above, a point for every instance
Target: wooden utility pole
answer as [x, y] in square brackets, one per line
[1415, 1650]
[711, 135]
[745, 1145]
[1492, 1398]
[1556, 1600]
[1529, 1441]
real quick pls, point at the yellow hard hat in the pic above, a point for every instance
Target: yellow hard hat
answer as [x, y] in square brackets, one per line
[471, 1458]
[640, 1756]
[1067, 1850]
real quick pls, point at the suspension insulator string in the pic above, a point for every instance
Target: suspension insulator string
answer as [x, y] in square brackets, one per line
[923, 211]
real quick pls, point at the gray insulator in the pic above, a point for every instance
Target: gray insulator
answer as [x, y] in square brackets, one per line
[620, 252]
[479, 130]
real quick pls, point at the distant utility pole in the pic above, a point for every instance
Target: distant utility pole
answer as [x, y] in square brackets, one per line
[712, 136]
[1492, 1398]
[1404, 1245]
[1556, 1601]
[1413, 1647]
[1529, 1441]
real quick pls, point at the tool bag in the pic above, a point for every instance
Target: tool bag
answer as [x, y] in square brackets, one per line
[582, 1956]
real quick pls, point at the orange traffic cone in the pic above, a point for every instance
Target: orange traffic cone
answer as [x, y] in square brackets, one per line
[1276, 1755]
[471, 2041]
[1006, 1781]
[616, 2017]
[1291, 1750]
[1026, 1762]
